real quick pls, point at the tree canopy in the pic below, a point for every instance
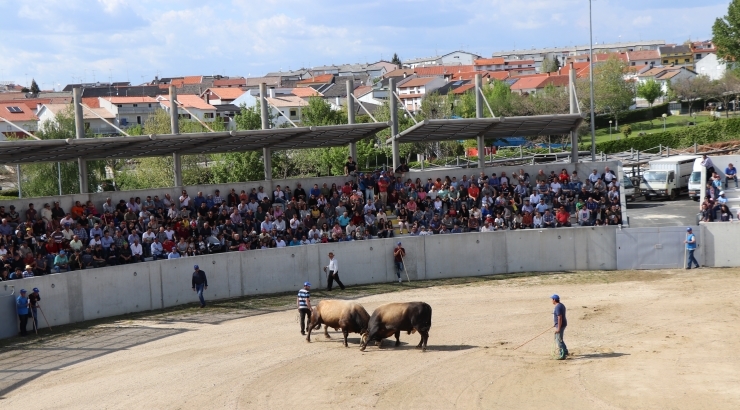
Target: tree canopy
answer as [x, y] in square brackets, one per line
[726, 33]
[650, 90]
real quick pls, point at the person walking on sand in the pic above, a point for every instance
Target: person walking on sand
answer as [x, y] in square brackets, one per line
[560, 323]
[200, 283]
[304, 305]
[690, 248]
[398, 254]
[333, 271]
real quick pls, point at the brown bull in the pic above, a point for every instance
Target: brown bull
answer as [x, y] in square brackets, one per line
[394, 318]
[351, 317]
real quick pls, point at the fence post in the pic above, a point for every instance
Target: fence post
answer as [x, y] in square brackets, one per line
[521, 154]
[695, 147]
[660, 150]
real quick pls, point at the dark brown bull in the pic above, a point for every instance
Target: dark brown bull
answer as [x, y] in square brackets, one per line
[394, 318]
[351, 317]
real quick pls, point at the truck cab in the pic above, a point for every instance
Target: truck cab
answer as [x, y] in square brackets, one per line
[629, 188]
[695, 181]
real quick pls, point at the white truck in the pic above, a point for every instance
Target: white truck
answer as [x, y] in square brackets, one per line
[629, 188]
[695, 184]
[667, 177]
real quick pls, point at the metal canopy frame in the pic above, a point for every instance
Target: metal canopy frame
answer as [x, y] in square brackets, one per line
[21, 152]
[490, 128]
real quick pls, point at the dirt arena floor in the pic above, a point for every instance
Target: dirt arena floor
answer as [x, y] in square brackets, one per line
[639, 340]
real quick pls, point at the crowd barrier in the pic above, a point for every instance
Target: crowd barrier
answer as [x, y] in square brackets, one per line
[92, 294]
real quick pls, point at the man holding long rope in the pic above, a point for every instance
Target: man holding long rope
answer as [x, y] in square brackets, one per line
[560, 323]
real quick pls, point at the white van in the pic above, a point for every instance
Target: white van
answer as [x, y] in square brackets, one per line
[667, 177]
[695, 181]
[629, 188]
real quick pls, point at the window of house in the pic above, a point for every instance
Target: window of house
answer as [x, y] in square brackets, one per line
[119, 105]
[150, 106]
[293, 113]
[138, 119]
[686, 60]
[136, 105]
[665, 61]
[208, 115]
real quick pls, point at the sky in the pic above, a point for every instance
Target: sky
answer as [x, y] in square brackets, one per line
[70, 41]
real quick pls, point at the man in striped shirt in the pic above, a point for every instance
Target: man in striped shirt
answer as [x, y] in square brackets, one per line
[304, 305]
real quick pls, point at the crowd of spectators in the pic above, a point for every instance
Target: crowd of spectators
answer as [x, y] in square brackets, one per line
[714, 207]
[87, 236]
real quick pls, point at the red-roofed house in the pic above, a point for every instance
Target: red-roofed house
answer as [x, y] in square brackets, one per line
[199, 108]
[47, 115]
[221, 96]
[603, 57]
[413, 89]
[534, 83]
[20, 115]
[643, 58]
[702, 49]
[319, 79]
[305, 92]
[130, 110]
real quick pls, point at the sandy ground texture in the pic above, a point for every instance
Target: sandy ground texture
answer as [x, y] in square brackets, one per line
[639, 340]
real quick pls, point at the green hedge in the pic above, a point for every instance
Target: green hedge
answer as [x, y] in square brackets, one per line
[642, 114]
[716, 131]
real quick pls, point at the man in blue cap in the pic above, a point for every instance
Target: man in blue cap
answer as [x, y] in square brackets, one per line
[21, 307]
[304, 305]
[200, 283]
[33, 300]
[560, 323]
[690, 247]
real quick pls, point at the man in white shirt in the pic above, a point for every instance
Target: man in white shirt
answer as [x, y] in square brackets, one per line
[261, 195]
[584, 217]
[594, 176]
[136, 251]
[333, 272]
[108, 206]
[280, 243]
[279, 195]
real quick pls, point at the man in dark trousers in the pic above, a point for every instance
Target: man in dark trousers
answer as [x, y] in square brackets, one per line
[560, 323]
[304, 305]
[333, 271]
[200, 283]
[690, 248]
[398, 254]
[21, 307]
[33, 300]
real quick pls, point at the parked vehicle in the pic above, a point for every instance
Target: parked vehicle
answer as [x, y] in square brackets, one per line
[629, 188]
[695, 181]
[668, 177]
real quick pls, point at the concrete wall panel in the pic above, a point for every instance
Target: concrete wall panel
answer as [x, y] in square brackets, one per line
[359, 262]
[276, 270]
[459, 255]
[102, 295]
[602, 248]
[719, 245]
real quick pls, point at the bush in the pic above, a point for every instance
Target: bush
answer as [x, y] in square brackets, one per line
[642, 114]
[722, 130]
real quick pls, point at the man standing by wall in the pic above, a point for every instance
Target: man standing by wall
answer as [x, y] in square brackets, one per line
[560, 323]
[690, 248]
[33, 300]
[398, 254]
[304, 305]
[200, 283]
[21, 307]
[333, 271]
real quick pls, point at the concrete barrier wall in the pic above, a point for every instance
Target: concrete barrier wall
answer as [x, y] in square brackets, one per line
[92, 294]
[719, 244]
[655, 248]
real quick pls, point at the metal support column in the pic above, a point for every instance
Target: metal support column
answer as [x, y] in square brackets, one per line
[175, 128]
[573, 110]
[59, 177]
[351, 116]
[394, 124]
[266, 152]
[79, 134]
[18, 174]
[479, 114]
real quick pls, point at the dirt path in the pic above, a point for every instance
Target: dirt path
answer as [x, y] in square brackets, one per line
[652, 340]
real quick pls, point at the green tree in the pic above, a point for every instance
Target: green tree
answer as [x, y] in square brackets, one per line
[626, 130]
[549, 65]
[726, 33]
[612, 93]
[692, 89]
[319, 112]
[727, 88]
[42, 179]
[650, 90]
[397, 61]
[35, 87]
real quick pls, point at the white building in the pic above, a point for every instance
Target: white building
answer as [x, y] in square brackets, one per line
[412, 90]
[711, 66]
[192, 103]
[47, 114]
[643, 58]
[453, 58]
[130, 111]
[284, 106]
[665, 76]
[20, 115]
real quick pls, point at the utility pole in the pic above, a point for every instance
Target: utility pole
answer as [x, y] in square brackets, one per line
[175, 129]
[79, 134]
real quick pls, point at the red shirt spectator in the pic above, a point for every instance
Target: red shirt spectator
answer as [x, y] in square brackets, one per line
[473, 191]
[562, 216]
[383, 185]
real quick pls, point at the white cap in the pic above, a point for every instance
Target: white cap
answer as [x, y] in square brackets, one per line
[721, 192]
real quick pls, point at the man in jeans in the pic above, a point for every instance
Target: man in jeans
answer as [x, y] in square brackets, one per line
[200, 283]
[560, 323]
[304, 305]
[398, 255]
[690, 247]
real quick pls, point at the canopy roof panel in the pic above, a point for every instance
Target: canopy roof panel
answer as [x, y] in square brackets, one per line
[491, 128]
[21, 152]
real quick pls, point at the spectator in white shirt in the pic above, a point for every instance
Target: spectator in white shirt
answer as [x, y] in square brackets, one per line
[136, 251]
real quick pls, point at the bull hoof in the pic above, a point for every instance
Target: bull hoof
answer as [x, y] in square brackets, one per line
[326, 335]
[398, 343]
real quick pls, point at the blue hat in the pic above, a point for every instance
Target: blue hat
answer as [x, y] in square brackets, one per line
[398, 243]
[61, 252]
[555, 297]
[23, 291]
[195, 267]
[307, 284]
[688, 229]
[36, 290]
